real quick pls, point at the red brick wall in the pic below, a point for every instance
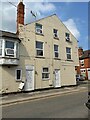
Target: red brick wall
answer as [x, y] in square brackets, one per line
[20, 14]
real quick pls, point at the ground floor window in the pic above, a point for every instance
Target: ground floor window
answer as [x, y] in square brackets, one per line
[18, 74]
[45, 73]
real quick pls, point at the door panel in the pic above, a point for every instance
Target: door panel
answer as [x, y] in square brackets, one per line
[29, 84]
[57, 78]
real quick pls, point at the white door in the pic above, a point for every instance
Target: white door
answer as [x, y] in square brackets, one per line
[29, 84]
[89, 74]
[57, 78]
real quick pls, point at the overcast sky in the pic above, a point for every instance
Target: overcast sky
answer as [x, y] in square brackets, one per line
[73, 14]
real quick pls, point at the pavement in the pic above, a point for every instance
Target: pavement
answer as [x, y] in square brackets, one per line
[25, 97]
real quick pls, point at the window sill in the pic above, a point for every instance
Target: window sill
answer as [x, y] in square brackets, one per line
[56, 38]
[70, 60]
[9, 57]
[45, 79]
[57, 59]
[18, 80]
[40, 34]
[68, 41]
[42, 57]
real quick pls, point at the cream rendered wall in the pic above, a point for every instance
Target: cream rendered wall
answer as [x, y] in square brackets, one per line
[9, 82]
[28, 51]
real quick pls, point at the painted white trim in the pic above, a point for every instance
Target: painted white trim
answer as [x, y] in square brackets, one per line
[16, 75]
[68, 53]
[83, 69]
[4, 49]
[40, 49]
[46, 72]
[56, 51]
[39, 28]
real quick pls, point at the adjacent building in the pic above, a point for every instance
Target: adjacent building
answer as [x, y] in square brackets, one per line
[84, 63]
[42, 54]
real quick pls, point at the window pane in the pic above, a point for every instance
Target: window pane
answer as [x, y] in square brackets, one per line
[39, 26]
[67, 35]
[68, 56]
[0, 51]
[18, 74]
[9, 44]
[54, 30]
[10, 51]
[39, 45]
[45, 69]
[68, 50]
[40, 52]
[56, 54]
[45, 75]
[0, 43]
[17, 50]
[55, 47]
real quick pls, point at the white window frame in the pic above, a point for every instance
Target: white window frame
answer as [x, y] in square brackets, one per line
[39, 29]
[16, 75]
[6, 49]
[40, 49]
[69, 53]
[56, 51]
[55, 34]
[82, 63]
[67, 38]
[15, 55]
[45, 73]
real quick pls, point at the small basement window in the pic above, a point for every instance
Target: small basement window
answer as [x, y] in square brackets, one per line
[18, 74]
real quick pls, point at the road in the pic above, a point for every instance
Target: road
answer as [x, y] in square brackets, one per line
[69, 105]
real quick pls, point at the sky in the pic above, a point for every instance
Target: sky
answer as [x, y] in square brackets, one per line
[73, 14]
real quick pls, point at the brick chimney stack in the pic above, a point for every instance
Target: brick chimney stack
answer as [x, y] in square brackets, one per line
[80, 51]
[20, 14]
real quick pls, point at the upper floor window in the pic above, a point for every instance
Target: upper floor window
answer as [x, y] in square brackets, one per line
[55, 32]
[67, 36]
[39, 48]
[82, 63]
[56, 52]
[9, 48]
[0, 47]
[68, 53]
[39, 28]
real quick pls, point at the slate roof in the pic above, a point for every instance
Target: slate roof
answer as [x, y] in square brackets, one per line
[86, 54]
[9, 35]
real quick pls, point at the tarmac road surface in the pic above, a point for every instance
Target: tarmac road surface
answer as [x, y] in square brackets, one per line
[70, 105]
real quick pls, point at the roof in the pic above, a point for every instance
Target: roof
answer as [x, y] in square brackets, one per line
[41, 19]
[86, 54]
[8, 34]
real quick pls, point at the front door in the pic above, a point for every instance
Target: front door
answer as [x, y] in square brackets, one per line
[29, 84]
[89, 74]
[57, 78]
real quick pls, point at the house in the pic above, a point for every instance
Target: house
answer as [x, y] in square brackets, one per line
[84, 63]
[42, 54]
